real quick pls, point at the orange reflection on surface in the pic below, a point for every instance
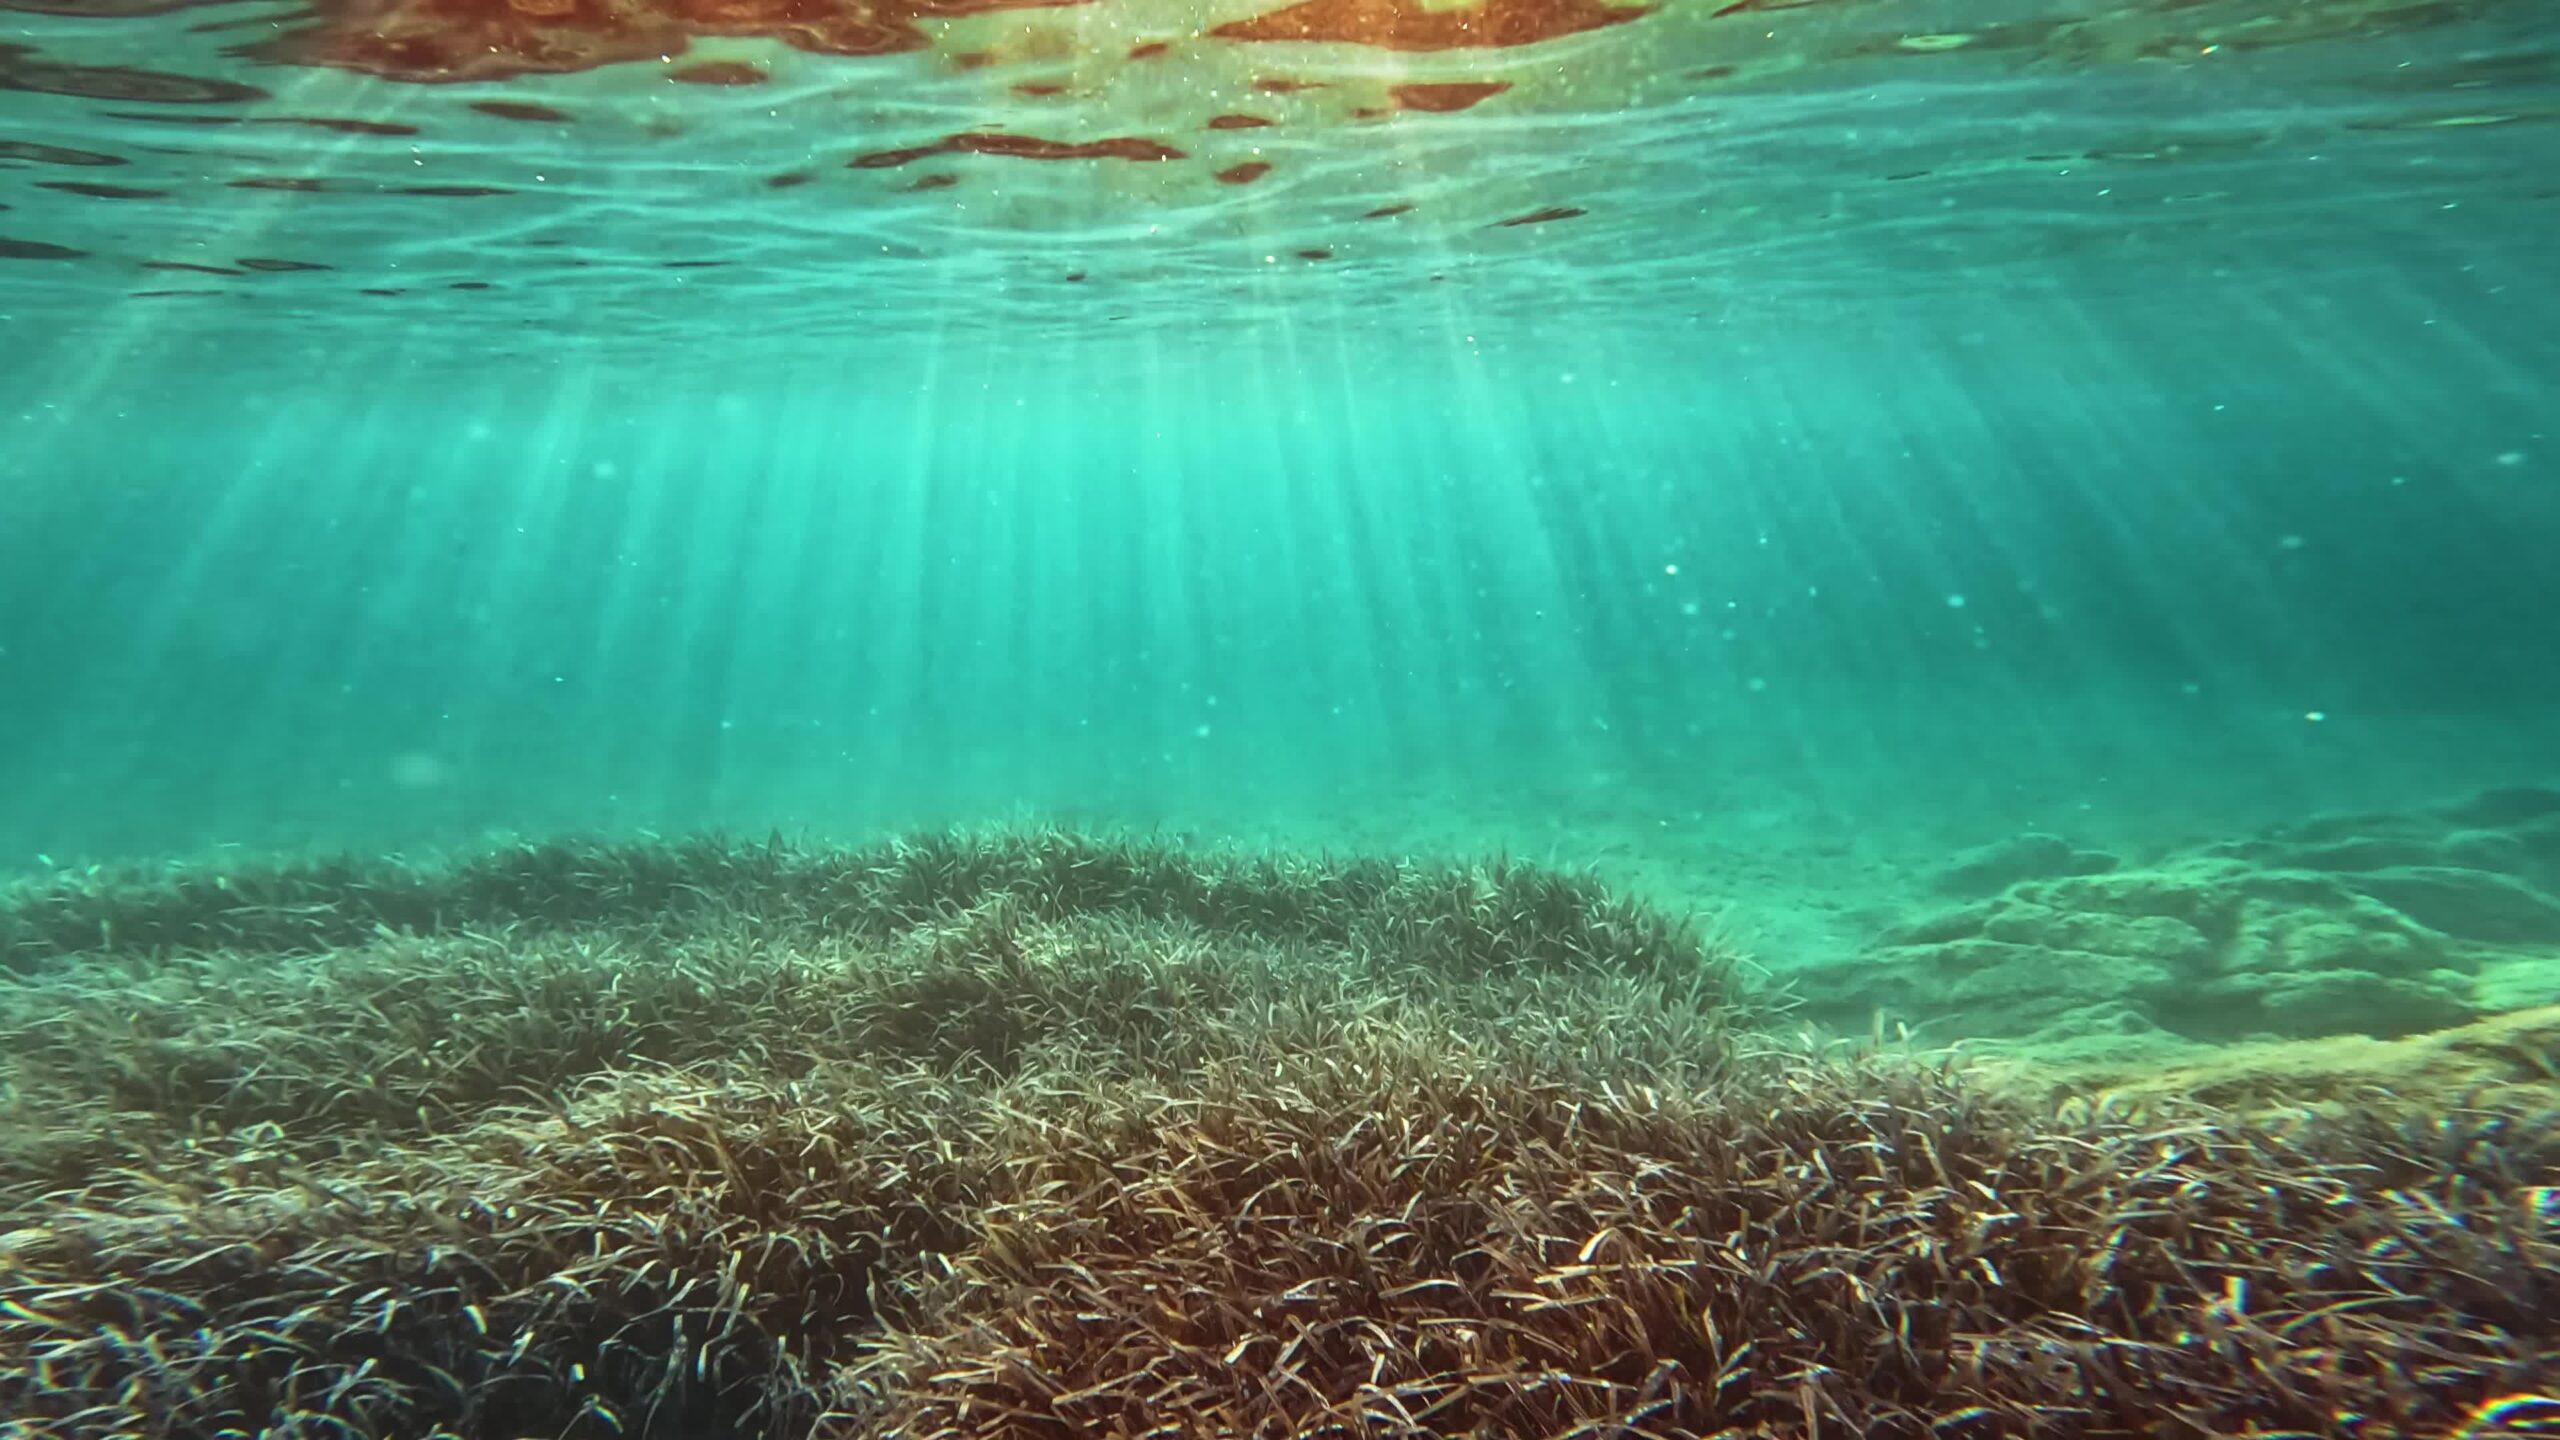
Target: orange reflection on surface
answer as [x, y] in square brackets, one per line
[1409, 25]
[438, 40]
[1024, 147]
[1443, 98]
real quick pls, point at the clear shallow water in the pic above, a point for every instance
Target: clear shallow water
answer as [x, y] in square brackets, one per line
[1876, 578]
[1785, 432]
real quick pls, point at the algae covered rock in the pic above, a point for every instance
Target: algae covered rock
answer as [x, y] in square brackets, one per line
[2507, 808]
[1990, 869]
[2468, 904]
[2000, 988]
[2379, 925]
[2207, 948]
[2505, 1059]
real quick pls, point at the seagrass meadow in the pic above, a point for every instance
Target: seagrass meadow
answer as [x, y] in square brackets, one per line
[1022, 1133]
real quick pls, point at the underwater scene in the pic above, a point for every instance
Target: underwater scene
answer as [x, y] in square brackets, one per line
[1236, 719]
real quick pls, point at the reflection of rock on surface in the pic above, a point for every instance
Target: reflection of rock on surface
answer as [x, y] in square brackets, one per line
[2372, 924]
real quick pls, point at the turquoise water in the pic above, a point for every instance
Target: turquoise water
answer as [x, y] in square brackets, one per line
[1850, 579]
[1759, 449]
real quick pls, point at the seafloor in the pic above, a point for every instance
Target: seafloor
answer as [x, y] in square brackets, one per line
[1026, 1133]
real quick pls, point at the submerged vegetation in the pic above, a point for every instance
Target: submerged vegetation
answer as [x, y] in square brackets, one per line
[1035, 1135]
